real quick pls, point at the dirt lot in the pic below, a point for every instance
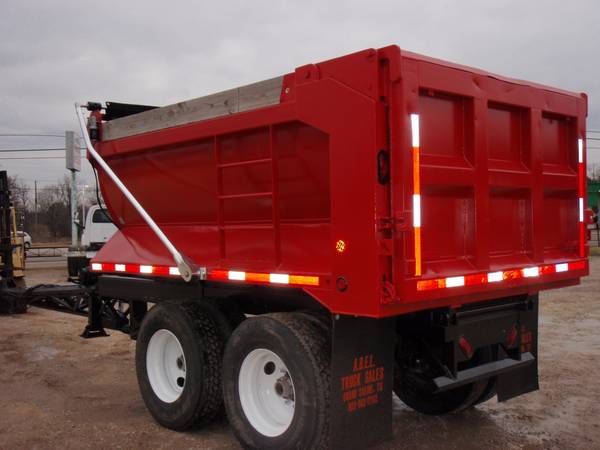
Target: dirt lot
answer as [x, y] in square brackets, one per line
[58, 390]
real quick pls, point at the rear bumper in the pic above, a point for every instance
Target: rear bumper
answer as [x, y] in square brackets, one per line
[483, 372]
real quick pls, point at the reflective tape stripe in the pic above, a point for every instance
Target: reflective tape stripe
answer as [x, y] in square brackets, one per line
[416, 211]
[414, 127]
[563, 267]
[279, 278]
[455, 281]
[146, 269]
[582, 178]
[498, 277]
[494, 277]
[531, 271]
[216, 274]
[234, 275]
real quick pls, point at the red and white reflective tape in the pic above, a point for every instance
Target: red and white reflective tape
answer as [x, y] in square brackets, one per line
[414, 128]
[263, 278]
[582, 181]
[135, 269]
[496, 277]
[217, 275]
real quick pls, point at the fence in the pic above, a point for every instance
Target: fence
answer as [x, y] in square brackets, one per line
[47, 250]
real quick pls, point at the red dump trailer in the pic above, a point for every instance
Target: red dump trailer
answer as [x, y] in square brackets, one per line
[378, 222]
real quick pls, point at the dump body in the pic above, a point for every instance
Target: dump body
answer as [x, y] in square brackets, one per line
[379, 183]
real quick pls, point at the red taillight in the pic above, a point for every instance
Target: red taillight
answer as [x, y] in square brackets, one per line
[511, 336]
[466, 347]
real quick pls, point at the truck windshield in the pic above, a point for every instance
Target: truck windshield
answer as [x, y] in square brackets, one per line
[101, 217]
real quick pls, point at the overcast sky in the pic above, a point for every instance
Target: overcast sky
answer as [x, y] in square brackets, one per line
[53, 53]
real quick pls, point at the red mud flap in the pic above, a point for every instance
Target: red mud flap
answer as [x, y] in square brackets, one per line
[362, 381]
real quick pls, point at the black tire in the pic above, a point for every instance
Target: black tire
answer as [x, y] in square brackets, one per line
[202, 344]
[422, 400]
[303, 344]
[227, 314]
[226, 317]
[488, 393]
[417, 391]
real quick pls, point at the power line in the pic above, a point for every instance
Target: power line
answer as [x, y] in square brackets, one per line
[55, 188]
[30, 135]
[14, 150]
[32, 157]
[11, 150]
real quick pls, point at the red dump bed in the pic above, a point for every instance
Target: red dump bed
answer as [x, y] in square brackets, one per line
[380, 182]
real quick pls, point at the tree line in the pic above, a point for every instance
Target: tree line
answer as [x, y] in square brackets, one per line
[44, 212]
[593, 173]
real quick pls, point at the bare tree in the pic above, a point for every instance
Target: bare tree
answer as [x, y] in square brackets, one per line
[593, 172]
[54, 209]
[19, 192]
[20, 199]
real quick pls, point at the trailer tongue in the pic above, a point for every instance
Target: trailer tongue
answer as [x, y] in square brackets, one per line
[379, 222]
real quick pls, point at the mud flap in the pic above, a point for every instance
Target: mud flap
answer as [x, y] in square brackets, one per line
[361, 381]
[523, 380]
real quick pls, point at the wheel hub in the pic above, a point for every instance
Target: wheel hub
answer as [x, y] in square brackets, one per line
[266, 391]
[165, 366]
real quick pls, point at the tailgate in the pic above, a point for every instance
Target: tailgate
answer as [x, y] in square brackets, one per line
[494, 185]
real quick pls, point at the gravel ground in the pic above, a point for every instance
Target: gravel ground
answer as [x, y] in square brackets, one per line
[58, 390]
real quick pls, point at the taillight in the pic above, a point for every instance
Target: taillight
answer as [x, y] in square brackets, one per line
[465, 346]
[511, 336]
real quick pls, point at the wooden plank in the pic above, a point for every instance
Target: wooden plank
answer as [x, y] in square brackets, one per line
[258, 95]
[244, 98]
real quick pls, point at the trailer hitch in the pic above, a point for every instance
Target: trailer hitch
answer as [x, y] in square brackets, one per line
[186, 268]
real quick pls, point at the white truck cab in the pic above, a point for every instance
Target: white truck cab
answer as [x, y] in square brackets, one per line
[97, 229]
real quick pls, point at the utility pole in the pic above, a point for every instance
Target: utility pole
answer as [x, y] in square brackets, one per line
[73, 163]
[83, 203]
[35, 203]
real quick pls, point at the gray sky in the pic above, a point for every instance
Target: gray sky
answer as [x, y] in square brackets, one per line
[53, 53]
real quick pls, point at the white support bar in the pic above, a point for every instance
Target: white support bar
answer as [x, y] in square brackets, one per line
[185, 270]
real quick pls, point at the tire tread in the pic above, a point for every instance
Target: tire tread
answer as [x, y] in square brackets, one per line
[213, 347]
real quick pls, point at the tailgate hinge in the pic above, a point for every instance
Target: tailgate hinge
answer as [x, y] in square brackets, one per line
[400, 222]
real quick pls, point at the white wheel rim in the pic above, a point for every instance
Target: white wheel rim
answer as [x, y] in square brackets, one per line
[266, 392]
[165, 366]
